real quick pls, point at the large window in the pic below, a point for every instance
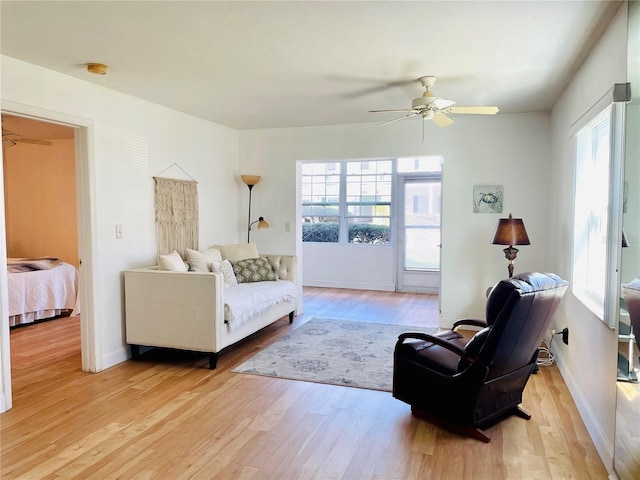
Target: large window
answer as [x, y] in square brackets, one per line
[348, 201]
[597, 179]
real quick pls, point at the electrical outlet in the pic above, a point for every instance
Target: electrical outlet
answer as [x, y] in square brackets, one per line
[565, 336]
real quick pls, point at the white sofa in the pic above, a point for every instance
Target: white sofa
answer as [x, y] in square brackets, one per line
[186, 310]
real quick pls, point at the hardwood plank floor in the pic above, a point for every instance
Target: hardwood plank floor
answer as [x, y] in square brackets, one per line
[169, 417]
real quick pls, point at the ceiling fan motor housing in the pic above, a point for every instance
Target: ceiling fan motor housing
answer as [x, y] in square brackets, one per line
[422, 102]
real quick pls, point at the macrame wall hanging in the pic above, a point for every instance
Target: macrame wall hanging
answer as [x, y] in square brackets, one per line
[176, 215]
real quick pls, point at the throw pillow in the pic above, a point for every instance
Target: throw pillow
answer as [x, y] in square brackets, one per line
[226, 269]
[173, 262]
[254, 270]
[240, 251]
[203, 261]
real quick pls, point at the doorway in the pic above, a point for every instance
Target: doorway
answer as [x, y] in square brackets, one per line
[418, 252]
[81, 129]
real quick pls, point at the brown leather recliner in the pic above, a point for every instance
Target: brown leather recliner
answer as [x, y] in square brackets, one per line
[468, 386]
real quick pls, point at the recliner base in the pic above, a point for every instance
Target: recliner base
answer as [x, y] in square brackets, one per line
[467, 431]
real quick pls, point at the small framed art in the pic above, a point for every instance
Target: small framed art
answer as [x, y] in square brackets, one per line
[488, 198]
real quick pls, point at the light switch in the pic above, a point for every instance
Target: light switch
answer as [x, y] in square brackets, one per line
[287, 227]
[119, 230]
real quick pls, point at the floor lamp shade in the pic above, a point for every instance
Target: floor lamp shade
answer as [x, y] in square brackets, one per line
[251, 181]
[510, 231]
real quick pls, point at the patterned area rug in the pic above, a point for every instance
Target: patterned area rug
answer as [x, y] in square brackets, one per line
[338, 352]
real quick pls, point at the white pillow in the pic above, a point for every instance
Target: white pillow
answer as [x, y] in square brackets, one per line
[226, 269]
[173, 262]
[239, 251]
[203, 261]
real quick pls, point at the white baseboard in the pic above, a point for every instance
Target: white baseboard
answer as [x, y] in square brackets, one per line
[114, 358]
[599, 439]
[385, 287]
[3, 403]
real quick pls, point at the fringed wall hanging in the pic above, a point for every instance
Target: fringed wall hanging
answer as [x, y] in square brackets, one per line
[176, 215]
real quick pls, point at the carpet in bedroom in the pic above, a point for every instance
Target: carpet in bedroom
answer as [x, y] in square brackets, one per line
[333, 351]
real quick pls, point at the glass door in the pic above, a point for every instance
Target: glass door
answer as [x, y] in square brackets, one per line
[419, 233]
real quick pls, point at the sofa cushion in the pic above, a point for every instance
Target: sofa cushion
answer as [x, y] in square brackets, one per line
[239, 251]
[254, 270]
[173, 261]
[203, 261]
[226, 269]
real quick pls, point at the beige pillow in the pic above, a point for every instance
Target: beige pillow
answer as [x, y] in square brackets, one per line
[226, 269]
[173, 262]
[203, 261]
[239, 251]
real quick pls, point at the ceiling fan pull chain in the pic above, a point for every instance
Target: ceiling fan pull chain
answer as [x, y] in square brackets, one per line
[423, 120]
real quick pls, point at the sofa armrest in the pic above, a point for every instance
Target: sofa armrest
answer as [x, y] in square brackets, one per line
[182, 310]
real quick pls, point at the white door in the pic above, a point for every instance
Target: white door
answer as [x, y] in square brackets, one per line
[419, 233]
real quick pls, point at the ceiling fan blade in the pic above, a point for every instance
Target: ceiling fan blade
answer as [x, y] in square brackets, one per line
[395, 110]
[442, 103]
[473, 110]
[398, 119]
[441, 120]
[33, 141]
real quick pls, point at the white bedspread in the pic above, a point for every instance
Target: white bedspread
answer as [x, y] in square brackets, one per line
[53, 289]
[246, 300]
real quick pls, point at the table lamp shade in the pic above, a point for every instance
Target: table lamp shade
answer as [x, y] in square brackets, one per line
[510, 231]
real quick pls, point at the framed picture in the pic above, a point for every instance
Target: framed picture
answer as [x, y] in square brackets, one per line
[488, 198]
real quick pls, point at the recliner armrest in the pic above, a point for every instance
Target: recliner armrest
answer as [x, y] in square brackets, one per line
[470, 321]
[427, 337]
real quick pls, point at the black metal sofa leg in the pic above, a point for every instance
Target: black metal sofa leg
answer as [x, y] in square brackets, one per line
[213, 361]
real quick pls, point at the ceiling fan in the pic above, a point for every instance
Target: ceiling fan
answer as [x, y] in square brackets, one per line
[11, 139]
[431, 107]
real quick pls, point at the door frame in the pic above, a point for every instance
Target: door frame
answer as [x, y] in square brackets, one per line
[86, 220]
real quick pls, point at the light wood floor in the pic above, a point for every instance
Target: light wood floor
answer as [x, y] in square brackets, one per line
[169, 417]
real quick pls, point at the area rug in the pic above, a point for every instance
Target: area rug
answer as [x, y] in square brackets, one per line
[338, 352]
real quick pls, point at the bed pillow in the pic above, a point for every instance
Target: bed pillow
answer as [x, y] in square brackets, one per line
[226, 269]
[239, 251]
[254, 270]
[172, 262]
[203, 261]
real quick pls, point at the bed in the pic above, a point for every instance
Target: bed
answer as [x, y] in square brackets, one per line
[41, 288]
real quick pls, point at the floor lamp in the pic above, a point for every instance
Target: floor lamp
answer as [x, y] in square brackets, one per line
[510, 231]
[250, 181]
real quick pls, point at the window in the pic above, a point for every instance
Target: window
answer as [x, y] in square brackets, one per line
[597, 179]
[348, 201]
[368, 201]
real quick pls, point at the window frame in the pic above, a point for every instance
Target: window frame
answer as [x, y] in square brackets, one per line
[606, 308]
[344, 217]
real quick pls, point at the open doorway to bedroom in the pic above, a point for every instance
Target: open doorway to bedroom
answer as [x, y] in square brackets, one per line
[41, 225]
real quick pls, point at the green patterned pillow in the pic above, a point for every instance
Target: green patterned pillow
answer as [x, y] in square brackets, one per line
[254, 270]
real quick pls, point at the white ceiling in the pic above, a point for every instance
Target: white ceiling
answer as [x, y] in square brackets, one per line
[304, 63]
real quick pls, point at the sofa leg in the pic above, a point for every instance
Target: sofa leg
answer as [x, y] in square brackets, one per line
[213, 361]
[290, 317]
[135, 352]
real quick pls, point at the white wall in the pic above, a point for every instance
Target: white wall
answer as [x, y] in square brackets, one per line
[511, 150]
[588, 363]
[131, 140]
